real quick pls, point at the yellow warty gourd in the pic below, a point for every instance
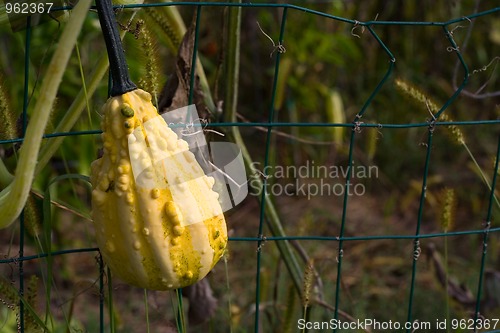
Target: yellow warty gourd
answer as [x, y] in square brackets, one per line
[141, 231]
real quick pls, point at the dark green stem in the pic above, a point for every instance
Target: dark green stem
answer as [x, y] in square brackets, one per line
[120, 77]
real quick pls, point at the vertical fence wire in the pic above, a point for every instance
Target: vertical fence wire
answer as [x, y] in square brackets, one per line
[267, 150]
[355, 127]
[487, 226]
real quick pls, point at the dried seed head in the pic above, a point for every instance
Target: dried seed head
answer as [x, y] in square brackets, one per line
[418, 96]
[308, 284]
[8, 128]
[448, 210]
[455, 132]
[150, 82]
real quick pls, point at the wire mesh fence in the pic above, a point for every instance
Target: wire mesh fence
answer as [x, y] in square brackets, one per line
[334, 280]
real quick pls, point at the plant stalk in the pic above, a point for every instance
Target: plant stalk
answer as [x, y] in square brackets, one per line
[121, 82]
[14, 196]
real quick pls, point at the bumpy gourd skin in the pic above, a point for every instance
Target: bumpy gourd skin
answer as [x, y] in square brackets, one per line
[140, 230]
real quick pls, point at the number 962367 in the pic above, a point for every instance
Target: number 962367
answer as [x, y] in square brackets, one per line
[471, 324]
[28, 8]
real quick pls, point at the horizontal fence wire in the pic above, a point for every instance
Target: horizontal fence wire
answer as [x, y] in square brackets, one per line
[288, 124]
[356, 125]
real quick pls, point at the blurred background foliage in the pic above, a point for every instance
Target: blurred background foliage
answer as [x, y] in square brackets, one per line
[328, 70]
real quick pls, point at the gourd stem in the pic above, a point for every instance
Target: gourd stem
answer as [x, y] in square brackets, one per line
[120, 78]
